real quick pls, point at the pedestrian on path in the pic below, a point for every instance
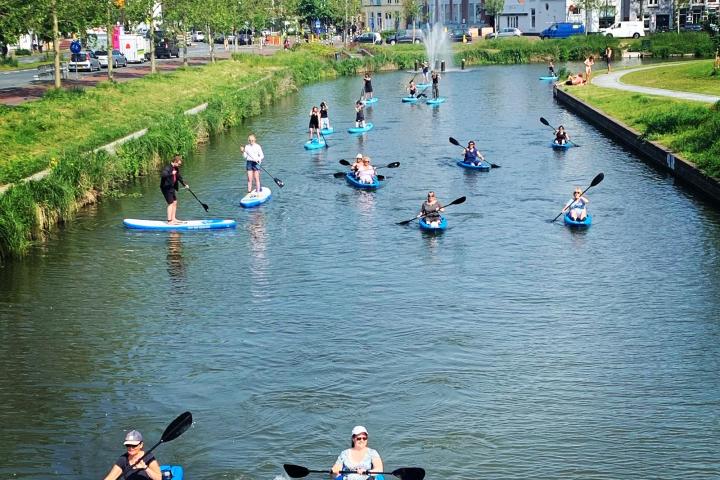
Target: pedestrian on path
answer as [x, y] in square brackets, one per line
[589, 62]
[608, 56]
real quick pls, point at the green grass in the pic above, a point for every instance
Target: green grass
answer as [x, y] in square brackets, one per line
[693, 77]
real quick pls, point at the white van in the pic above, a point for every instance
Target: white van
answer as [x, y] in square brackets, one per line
[135, 47]
[634, 29]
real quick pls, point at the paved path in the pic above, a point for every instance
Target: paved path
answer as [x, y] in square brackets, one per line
[612, 80]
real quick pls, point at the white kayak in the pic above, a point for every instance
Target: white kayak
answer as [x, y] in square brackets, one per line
[187, 225]
[254, 198]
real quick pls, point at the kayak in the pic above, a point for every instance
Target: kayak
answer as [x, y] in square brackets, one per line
[563, 146]
[171, 472]
[370, 101]
[483, 167]
[376, 477]
[547, 77]
[314, 144]
[426, 227]
[367, 127]
[409, 99]
[327, 131]
[188, 225]
[435, 101]
[578, 223]
[365, 186]
[254, 198]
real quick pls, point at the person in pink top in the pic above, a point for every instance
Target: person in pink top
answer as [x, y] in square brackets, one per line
[366, 172]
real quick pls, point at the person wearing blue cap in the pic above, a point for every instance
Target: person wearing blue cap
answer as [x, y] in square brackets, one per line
[135, 464]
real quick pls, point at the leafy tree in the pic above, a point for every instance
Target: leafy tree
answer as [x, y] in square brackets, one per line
[494, 8]
[412, 9]
[147, 12]
[13, 21]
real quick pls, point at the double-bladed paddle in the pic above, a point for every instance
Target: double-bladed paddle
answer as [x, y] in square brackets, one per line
[404, 473]
[348, 164]
[598, 178]
[545, 122]
[455, 142]
[277, 180]
[457, 201]
[196, 198]
[176, 428]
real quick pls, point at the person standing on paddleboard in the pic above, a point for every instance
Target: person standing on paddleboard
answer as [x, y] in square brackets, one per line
[431, 209]
[435, 84]
[253, 157]
[358, 458]
[314, 126]
[135, 464]
[426, 72]
[170, 179]
[324, 119]
[368, 86]
[412, 88]
[551, 69]
[359, 115]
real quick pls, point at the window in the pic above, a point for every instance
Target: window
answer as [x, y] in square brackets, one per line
[513, 21]
[532, 17]
[652, 3]
[388, 16]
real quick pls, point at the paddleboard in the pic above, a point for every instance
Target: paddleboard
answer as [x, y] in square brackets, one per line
[427, 227]
[350, 177]
[435, 101]
[563, 146]
[483, 166]
[171, 472]
[314, 144]
[409, 99]
[188, 225]
[254, 198]
[367, 127]
[548, 78]
[327, 131]
[423, 85]
[370, 101]
[578, 223]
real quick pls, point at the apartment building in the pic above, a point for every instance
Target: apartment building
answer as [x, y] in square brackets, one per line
[379, 15]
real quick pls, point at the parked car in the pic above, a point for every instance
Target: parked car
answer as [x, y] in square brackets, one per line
[369, 37]
[505, 32]
[460, 34]
[245, 37]
[198, 37]
[563, 30]
[84, 60]
[692, 27]
[167, 48]
[633, 28]
[405, 37]
[119, 59]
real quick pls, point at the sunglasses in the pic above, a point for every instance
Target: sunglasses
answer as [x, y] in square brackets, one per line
[577, 193]
[361, 438]
[132, 446]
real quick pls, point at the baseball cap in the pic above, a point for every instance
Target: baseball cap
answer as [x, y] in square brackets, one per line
[358, 430]
[133, 437]
[359, 155]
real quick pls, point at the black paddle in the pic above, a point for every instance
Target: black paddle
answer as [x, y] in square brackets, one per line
[598, 178]
[457, 201]
[196, 198]
[545, 122]
[404, 473]
[277, 180]
[455, 142]
[389, 165]
[176, 428]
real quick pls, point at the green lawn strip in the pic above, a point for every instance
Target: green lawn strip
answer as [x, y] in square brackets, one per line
[25, 66]
[691, 77]
[32, 134]
[690, 129]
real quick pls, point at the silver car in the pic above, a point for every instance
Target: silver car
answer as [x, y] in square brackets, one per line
[505, 32]
[119, 59]
[84, 60]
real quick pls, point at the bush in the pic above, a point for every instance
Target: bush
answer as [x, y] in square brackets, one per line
[8, 61]
[21, 52]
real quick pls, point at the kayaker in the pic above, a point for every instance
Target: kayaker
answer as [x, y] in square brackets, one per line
[426, 72]
[412, 89]
[135, 464]
[368, 86]
[314, 126]
[253, 154]
[578, 212]
[358, 161]
[561, 136]
[472, 156]
[324, 119]
[435, 84]
[365, 172]
[359, 114]
[551, 69]
[358, 458]
[170, 179]
[431, 209]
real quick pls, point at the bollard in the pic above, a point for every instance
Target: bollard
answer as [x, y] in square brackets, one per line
[462, 64]
[442, 66]
[437, 64]
[337, 57]
[416, 65]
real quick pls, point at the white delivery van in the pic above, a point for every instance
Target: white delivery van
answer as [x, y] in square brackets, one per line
[135, 47]
[626, 29]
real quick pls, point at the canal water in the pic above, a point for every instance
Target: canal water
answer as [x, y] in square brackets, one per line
[508, 347]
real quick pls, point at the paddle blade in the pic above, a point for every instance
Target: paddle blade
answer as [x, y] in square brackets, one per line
[409, 473]
[544, 122]
[405, 222]
[598, 178]
[393, 165]
[492, 165]
[339, 174]
[296, 471]
[344, 162]
[457, 201]
[279, 182]
[177, 427]
[204, 205]
[381, 178]
[454, 142]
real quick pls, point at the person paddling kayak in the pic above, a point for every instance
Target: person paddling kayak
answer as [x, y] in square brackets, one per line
[358, 162]
[170, 179]
[365, 172]
[472, 156]
[253, 154]
[359, 114]
[578, 211]
[431, 209]
[561, 136]
[135, 464]
[358, 457]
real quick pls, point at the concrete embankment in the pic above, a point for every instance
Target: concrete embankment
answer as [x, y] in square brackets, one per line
[654, 153]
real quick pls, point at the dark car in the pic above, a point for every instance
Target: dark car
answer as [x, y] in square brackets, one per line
[692, 27]
[245, 37]
[166, 46]
[369, 37]
[404, 38]
[460, 34]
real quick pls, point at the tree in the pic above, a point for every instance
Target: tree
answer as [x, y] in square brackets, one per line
[13, 21]
[147, 12]
[589, 6]
[494, 8]
[412, 9]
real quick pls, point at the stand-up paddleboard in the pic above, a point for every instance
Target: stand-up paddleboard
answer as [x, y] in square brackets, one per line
[409, 99]
[172, 472]
[435, 101]
[327, 131]
[188, 225]
[254, 198]
[314, 144]
[366, 128]
[547, 77]
[370, 101]
[423, 85]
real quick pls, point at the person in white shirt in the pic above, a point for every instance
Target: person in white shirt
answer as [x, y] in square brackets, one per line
[253, 156]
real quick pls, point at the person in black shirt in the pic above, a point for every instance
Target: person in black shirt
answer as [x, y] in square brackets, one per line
[170, 179]
[135, 464]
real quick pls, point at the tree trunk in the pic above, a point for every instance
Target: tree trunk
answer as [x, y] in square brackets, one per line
[56, 44]
[109, 44]
[153, 64]
[211, 40]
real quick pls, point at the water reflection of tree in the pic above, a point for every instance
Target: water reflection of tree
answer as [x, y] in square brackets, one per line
[258, 244]
[175, 264]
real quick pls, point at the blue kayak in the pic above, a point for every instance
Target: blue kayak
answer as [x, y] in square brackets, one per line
[426, 227]
[563, 146]
[370, 101]
[578, 223]
[435, 101]
[483, 166]
[171, 472]
[376, 477]
[314, 144]
[367, 127]
[188, 225]
[547, 77]
[327, 131]
[409, 99]
[350, 177]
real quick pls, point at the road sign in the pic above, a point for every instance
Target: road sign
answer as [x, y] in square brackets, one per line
[75, 46]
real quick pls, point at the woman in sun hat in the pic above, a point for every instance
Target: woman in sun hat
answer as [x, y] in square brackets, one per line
[358, 458]
[135, 464]
[358, 162]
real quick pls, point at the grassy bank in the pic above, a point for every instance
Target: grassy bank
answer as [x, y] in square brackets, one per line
[690, 129]
[696, 77]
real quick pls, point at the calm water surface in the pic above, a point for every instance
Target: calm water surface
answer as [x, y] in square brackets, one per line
[509, 347]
